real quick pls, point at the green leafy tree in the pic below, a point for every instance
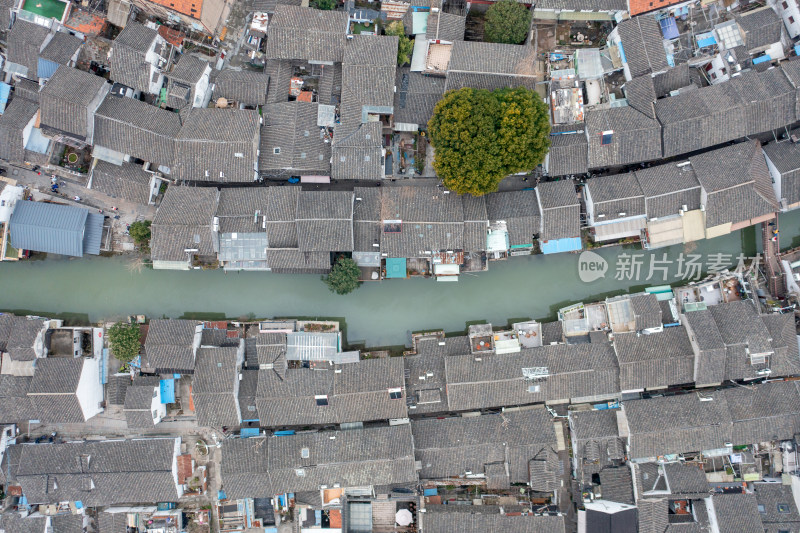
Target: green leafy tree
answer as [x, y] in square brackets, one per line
[124, 339]
[404, 46]
[327, 5]
[507, 21]
[480, 137]
[343, 278]
[140, 231]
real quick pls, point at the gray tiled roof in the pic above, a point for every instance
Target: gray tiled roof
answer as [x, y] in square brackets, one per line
[520, 210]
[654, 361]
[646, 311]
[711, 357]
[217, 145]
[575, 371]
[641, 94]
[127, 181]
[293, 261]
[112, 522]
[98, 473]
[66, 98]
[737, 513]
[636, 137]
[325, 221]
[667, 188]
[213, 387]
[453, 446]
[612, 195]
[466, 522]
[366, 218]
[263, 467]
[356, 152]
[17, 406]
[61, 48]
[746, 105]
[358, 393]
[416, 96]
[280, 217]
[694, 424]
[136, 128]
[128, 60]
[773, 519]
[183, 79]
[24, 42]
[737, 182]
[445, 26]
[291, 129]
[138, 400]
[19, 335]
[568, 153]
[168, 347]
[280, 72]
[490, 66]
[786, 158]
[67, 523]
[12, 122]
[643, 45]
[306, 33]
[242, 86]
[560, 210]
[765, 412]
[53, 390]
[761, 27]
[672, 79]
[786, 359]
[29, 524]
[616, 484]
[431, 221]
[5, 14]
[247, 395]
[583, 5]
[492, 58]
[183, 221]
[27, 89]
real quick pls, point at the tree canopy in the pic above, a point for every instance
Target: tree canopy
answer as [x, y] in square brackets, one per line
[480, 137]
[124, 339]
[140, 232]
[507, 21]
[405, 46]
[326, 5]
[343, 278]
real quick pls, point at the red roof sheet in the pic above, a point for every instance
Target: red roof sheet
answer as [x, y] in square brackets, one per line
[184, 468]
[85, 22]
[335, 516]
[193, 8]
[643, 6]
[173, 37]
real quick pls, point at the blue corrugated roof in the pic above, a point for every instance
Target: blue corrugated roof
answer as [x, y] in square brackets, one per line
[396, 267]
[706, 39]
[669, 28]
[51, 228]
[554, 246]
[167, 391]
[5, 90]
[46, 68]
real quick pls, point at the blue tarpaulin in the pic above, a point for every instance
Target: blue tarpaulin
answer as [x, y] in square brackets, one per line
[430, 492]
[669, 28]
[554, 246]
[284, 433]
[167, 391]
[249, 432]
[5, 90]
[706, 39]
[762, 59]
[797, 49]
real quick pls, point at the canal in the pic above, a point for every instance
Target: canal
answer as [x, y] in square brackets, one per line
[379, 314]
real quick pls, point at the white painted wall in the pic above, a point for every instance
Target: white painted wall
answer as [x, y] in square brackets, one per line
[90, 391]
[157, 407]
[202, 91]
[176, 453]
[790, 13]
[776, 180]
